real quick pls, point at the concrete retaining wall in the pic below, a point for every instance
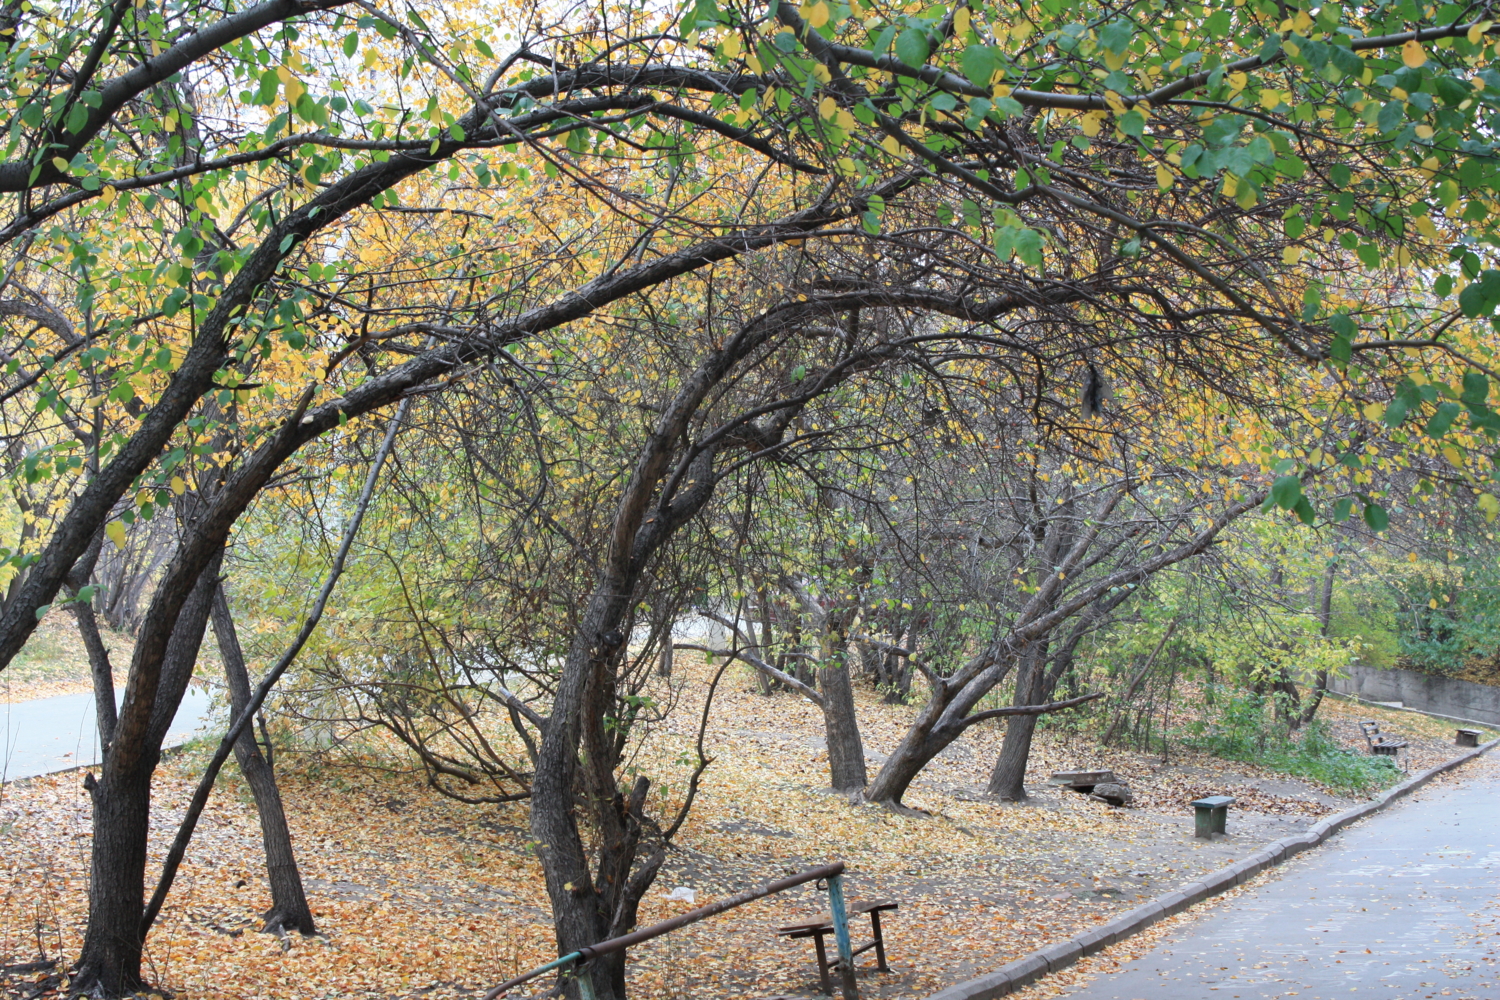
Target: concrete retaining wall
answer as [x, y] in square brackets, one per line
[1443, 696]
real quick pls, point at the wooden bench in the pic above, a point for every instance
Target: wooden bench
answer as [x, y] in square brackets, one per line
[1211, 816]
[820, 927]
[1378, 742]
[1467, 738]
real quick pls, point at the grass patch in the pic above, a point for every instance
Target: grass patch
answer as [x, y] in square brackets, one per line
[1242, 727]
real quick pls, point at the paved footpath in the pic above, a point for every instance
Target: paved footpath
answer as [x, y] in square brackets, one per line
[1403, 905]
[54, 734]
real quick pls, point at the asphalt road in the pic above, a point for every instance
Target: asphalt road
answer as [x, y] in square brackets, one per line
[54, 734]
[1403, 905]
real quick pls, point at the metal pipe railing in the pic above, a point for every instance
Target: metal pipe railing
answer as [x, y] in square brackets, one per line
[836, 900]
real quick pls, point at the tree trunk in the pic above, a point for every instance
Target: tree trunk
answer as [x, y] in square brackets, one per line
[1008, 779]
[289, 909]
[1325, 618]
[846, 752]
[109, 964]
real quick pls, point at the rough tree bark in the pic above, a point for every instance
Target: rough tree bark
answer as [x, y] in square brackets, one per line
[1008, 779]
[110, 961]
[846, 750]
[289, 909]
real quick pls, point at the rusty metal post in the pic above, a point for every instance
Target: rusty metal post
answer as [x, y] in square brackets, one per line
[841, 936]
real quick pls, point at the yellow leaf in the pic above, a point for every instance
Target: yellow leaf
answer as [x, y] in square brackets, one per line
[890, 145]
[178, 486]
[1164, 178]
[961, 20]
[731, 47]
[1091, 123]
[1237, 82]
[60, 163]
[1432, 604]
[827, 107]
[1373, 411]
[1477, 30]
[1412, 54]
[108, 194]
[1430, 167]
[1116, 104]
[1489, 505]
[844, 120]
[1291, 255]
[1270, 98]
[1114, 60]
[1425, 227]
[116, 532]
[818, 15]
[1231, 185]
[1454, 456]
[1424, 131]
[294, 90]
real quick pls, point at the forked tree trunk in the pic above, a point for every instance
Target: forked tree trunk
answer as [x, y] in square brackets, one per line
[289, 909]
[109, 964]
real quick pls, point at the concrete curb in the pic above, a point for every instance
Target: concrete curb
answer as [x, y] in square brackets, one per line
[1024, 971]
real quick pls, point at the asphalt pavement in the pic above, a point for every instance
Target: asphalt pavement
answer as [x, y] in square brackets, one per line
[55, 734]
[1403, 905]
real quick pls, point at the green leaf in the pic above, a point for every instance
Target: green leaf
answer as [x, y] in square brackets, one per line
[1341, 349]
[78, 117]
[1442, 420]
[351, 43]
[1304, 511]
[1376, 517]
[1343, 509]
[1133, 123]
[1390, 116]
[1028, 243]
[1396, 412]
[911, 47]
[1286, 491]
[1116, 35]
[978, 62]
[1476, 388]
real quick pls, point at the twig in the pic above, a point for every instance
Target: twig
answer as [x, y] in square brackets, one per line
[258, 697]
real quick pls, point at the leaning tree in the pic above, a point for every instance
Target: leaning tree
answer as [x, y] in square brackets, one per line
[250, 217]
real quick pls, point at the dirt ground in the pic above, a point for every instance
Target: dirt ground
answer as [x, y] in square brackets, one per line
[421, 896]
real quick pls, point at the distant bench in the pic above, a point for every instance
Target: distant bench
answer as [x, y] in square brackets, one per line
[820, 927]
[1211, 815]
[1378, 742]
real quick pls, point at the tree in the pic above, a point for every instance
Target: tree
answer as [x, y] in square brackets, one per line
[318, 276]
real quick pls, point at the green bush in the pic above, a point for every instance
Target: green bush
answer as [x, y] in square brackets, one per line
[1242, 728]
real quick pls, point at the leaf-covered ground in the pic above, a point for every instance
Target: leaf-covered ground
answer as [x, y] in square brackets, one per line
[421, 896]
[54, 661]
